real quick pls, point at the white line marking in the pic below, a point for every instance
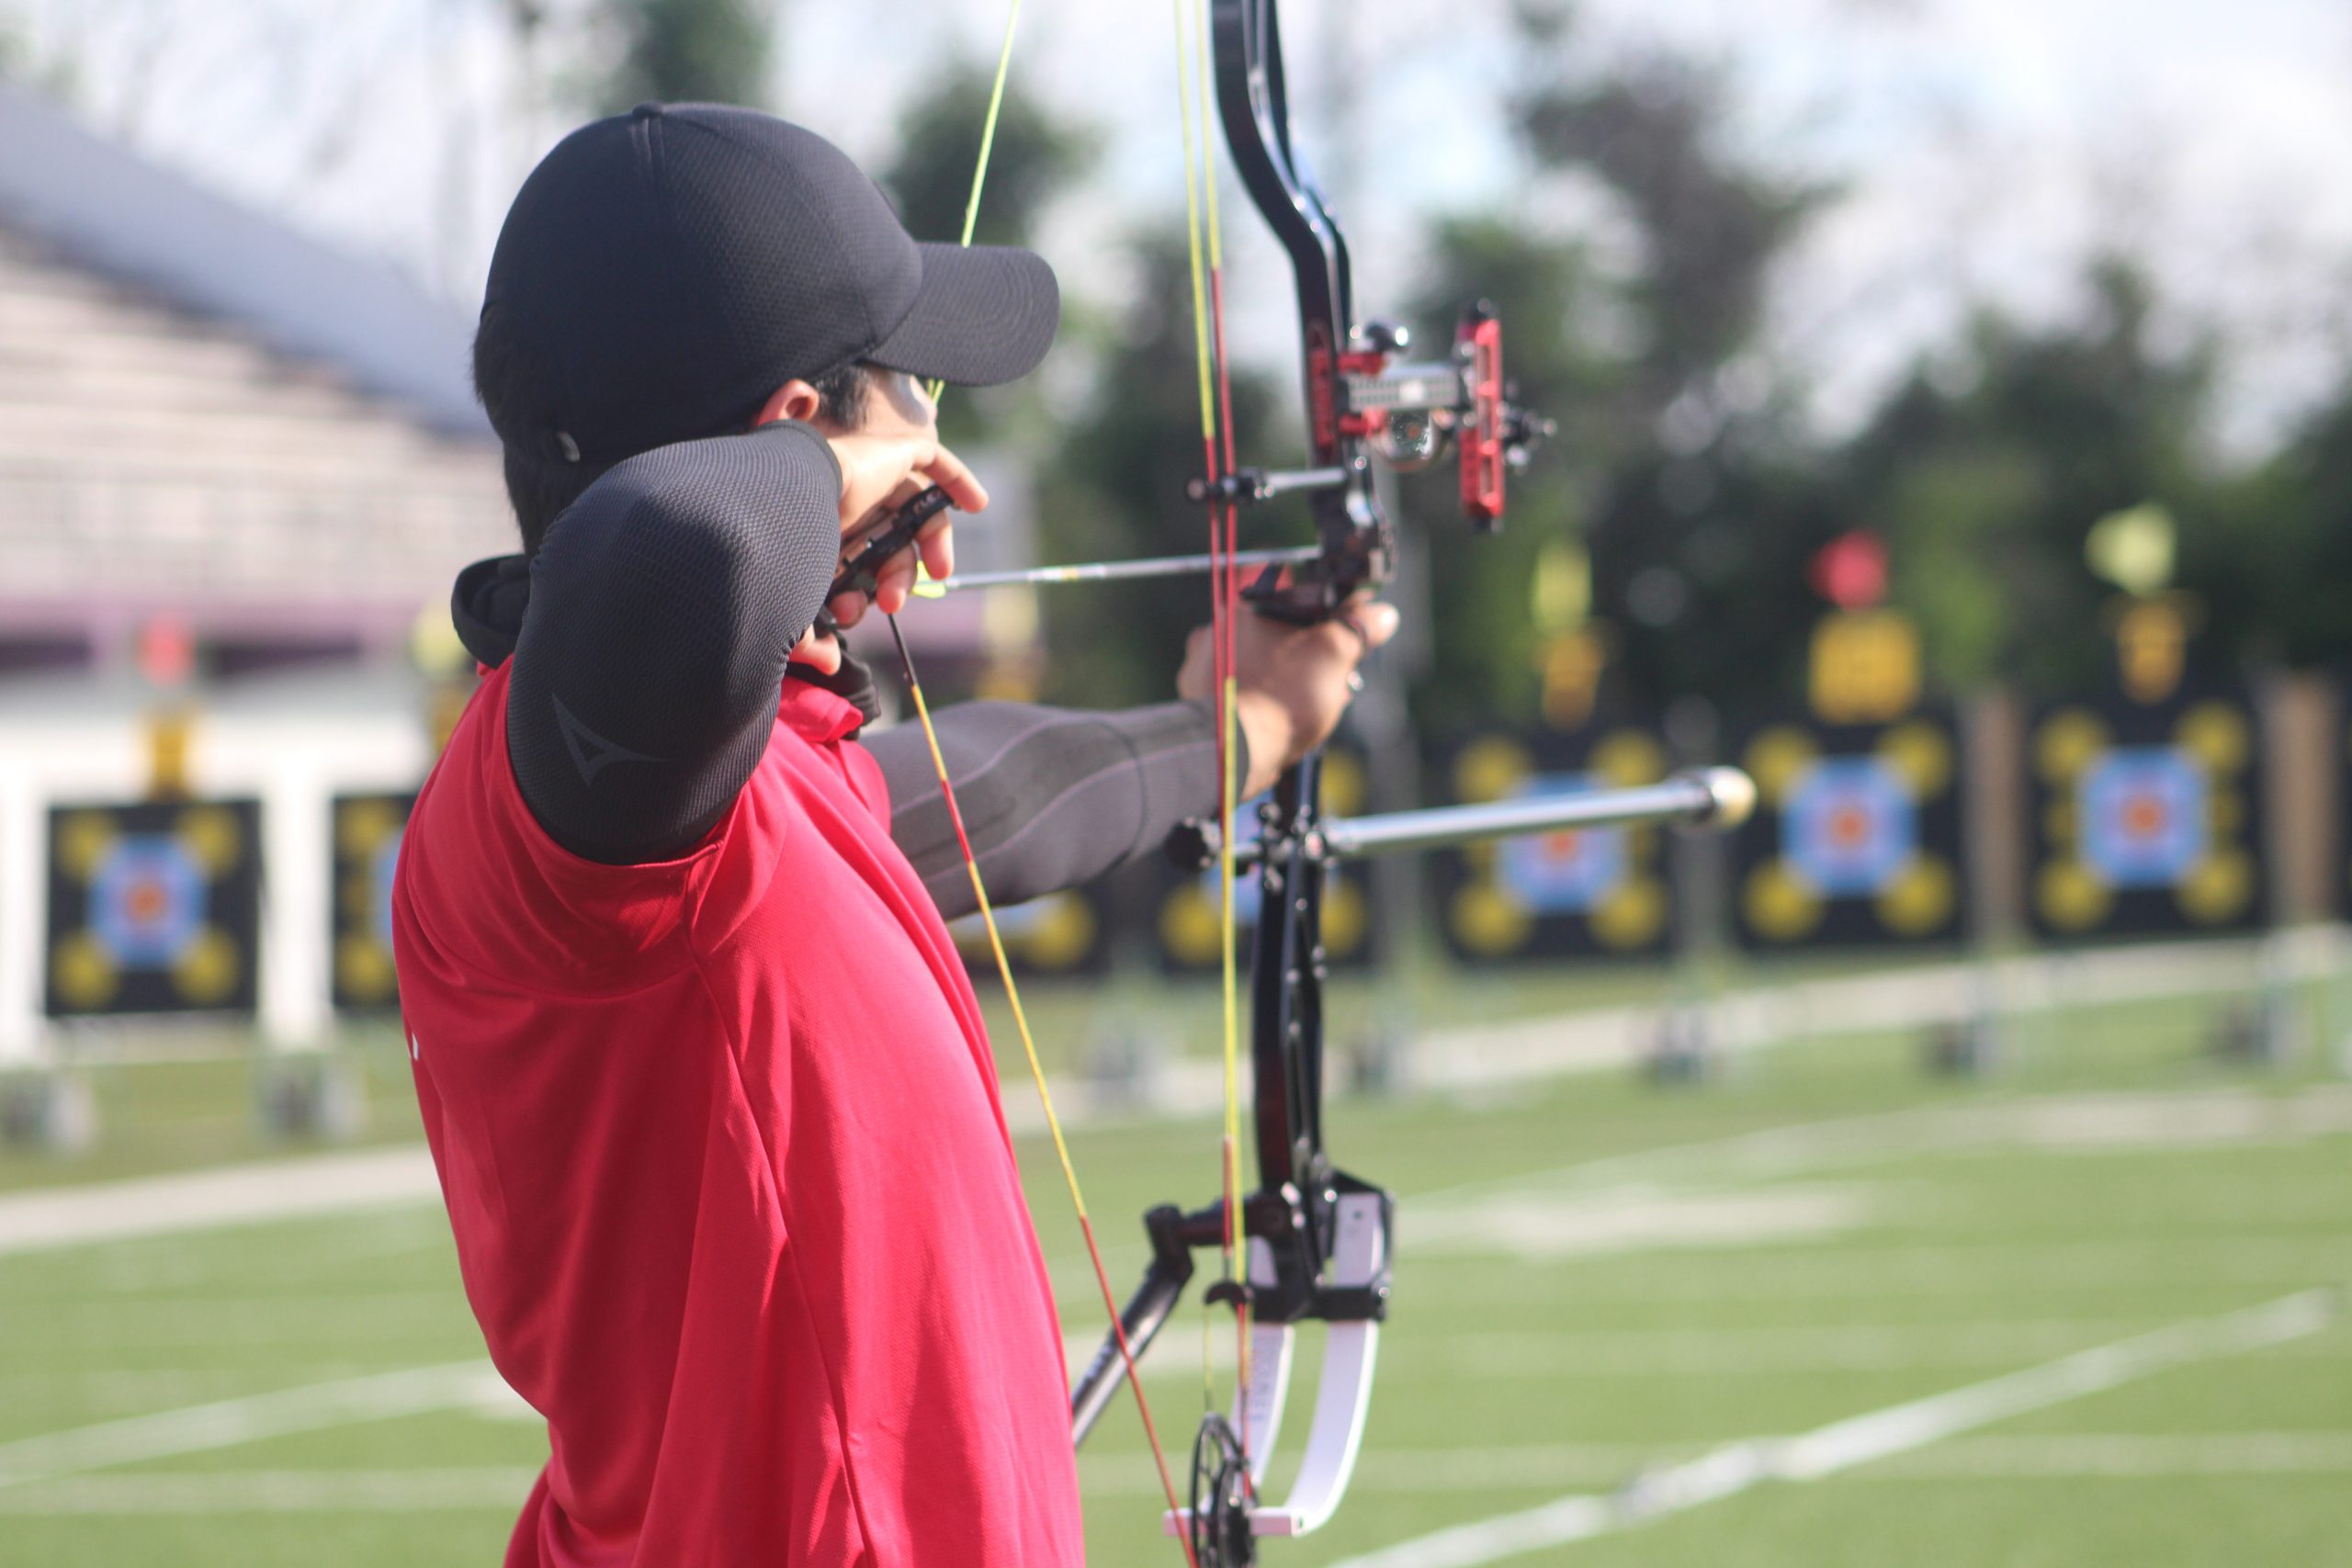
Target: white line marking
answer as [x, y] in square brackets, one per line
[309, 1318]
[500, 1488]
[2090, 1456]
[1492, 1057]
[1544, 1226]
[413, 1390]
[2044, 1457]
[402, 1177]
[1775, 1350]
[2162, 1121]
[2113, 1273]
[1741, 1466]
[230, 1195]
[1762, 1350]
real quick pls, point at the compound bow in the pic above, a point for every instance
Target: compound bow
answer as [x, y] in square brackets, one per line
[1316, 1238]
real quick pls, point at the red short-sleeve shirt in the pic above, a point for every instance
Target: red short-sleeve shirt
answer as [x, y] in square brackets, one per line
[733, 1197]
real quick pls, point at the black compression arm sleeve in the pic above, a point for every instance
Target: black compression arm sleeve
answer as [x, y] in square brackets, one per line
[664, 605]
[1051, 797]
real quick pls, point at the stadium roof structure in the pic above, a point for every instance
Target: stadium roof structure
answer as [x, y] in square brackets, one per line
[214, 425]
[101, 205]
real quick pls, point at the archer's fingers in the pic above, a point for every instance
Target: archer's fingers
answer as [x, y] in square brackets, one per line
[818, 651]
[1373, 621]
[936, 544]
[848, 608]
[1195, 678]
[947, 471]
[894, 581]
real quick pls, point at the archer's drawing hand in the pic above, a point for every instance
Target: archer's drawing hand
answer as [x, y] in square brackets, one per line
[1291, 681]
[880, 472]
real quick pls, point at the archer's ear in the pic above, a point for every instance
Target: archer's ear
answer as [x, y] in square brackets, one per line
[794, 400]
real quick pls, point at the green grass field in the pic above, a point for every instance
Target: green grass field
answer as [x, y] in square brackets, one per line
[1597, 1279]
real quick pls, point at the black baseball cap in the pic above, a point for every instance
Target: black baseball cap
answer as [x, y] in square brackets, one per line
[672, 266]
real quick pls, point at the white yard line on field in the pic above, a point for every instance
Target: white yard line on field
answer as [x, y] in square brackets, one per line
[500, 1488]
[307, 1188]
[2059, 1457]
[1485, 1056]
[1543, 1225]
[1777, 1351]
[2169, 1121]
[2067, 1456]
[1526, 1358]
[1738, 1467]
[412, 1391]
[318, 1186]
[2062, 1456]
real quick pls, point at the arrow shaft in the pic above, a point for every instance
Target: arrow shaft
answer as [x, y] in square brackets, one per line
[1120, 570]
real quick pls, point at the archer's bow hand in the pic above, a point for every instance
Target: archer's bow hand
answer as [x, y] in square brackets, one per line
[1293, 682]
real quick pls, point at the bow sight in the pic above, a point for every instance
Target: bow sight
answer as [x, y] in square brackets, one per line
[1407, 415]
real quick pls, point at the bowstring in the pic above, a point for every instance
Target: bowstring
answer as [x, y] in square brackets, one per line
[988, 912]
[1205, 247]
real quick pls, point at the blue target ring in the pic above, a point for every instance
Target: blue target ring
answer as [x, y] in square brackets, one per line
[2144, 814]
[381, 866]
[1849, 826]
[147, 901]
[1570, 873]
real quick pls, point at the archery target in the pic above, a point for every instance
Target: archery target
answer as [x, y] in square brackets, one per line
[1574, 893]
[1857, 840]
[368, 831]
[153, 908]
[2146, 818]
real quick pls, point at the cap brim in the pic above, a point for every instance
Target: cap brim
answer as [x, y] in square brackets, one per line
[984, 314]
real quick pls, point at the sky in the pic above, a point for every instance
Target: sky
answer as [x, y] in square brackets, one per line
[1984, 147]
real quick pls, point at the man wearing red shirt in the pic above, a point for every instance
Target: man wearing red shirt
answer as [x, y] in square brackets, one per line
[715, 1115]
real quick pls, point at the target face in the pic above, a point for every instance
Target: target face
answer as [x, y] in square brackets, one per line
[2146, 818]
[153, 908]
[1594, 891]
[1857, 842]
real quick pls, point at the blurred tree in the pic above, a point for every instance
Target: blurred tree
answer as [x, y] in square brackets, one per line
[1116, 489]
[718, 52]
[2272, 568]
[1988, 472]
[1699, 497]
[1483, 657]
[1035, 159]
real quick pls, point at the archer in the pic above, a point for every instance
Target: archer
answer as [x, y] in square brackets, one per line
[706, 1083]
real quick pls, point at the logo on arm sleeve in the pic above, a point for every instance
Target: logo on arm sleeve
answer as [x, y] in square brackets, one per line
[590, 753]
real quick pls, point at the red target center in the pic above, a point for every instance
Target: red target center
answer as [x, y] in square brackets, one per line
[145, 902]
[2144, 816]
[1563, 846]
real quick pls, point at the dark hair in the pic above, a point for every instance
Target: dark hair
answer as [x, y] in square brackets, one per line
[544, 473]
